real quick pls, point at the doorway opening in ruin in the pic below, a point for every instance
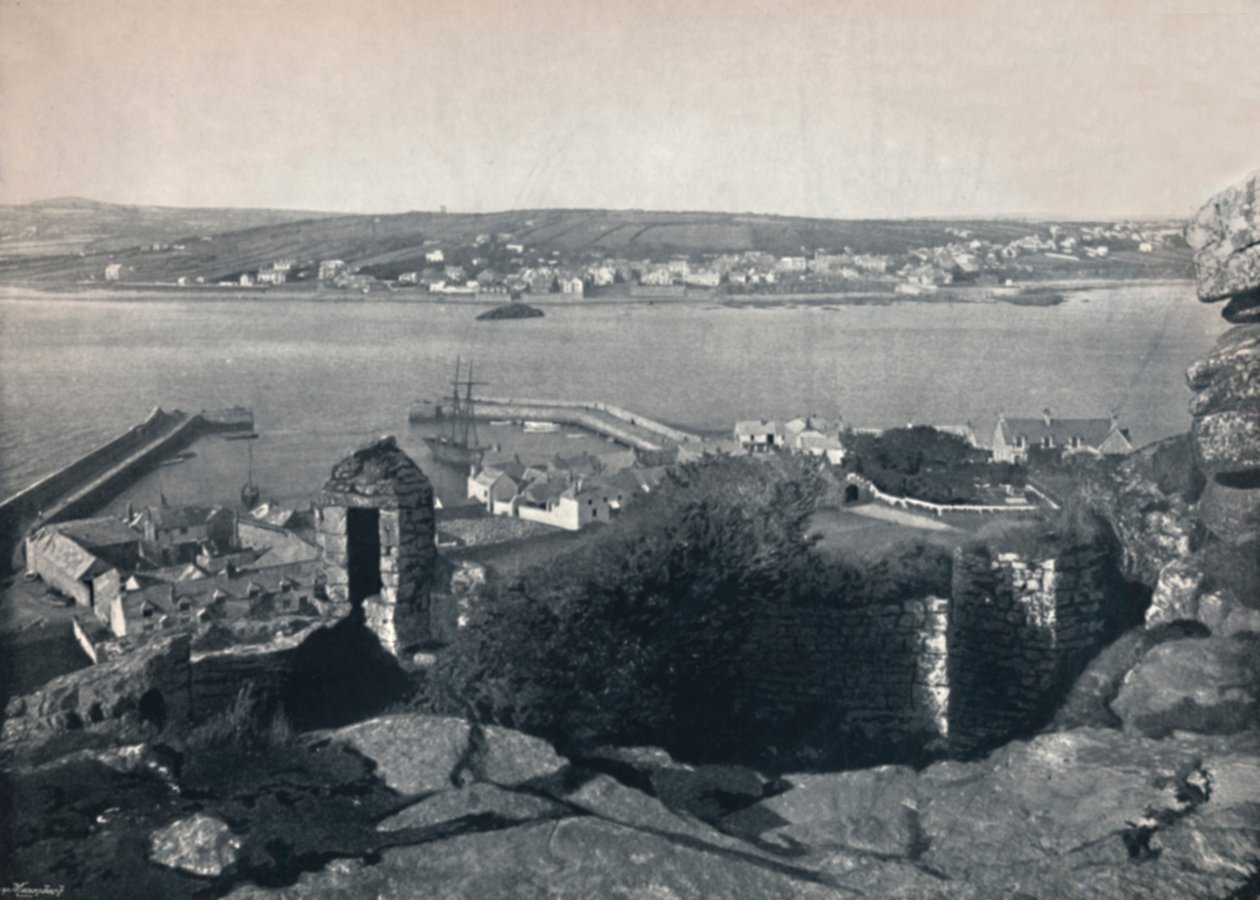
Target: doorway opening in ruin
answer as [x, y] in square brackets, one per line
[363, 544]
[851, 494]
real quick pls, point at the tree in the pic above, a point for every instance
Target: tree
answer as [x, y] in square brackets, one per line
[638, 635]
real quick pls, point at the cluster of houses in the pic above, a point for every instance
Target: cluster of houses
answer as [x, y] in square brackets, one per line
[573, 492]
[810, 435]
[502, 264]
[174, 566]
[1013, 438]
[568, 492]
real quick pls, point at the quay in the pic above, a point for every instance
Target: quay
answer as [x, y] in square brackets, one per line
[622, 425]
[75, 489]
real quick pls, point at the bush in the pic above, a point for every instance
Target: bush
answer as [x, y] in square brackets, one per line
[637, 635]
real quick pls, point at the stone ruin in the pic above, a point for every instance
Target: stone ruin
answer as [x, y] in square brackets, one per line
[374, 524]
[1225, 237]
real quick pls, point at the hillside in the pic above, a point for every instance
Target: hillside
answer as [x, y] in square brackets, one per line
[70, 225]
[78, 241]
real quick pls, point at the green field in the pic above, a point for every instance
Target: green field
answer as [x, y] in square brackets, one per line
[73, 240]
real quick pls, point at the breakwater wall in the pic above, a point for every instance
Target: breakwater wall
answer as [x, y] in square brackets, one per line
[77, 488]
[967, 671]
[601, 415]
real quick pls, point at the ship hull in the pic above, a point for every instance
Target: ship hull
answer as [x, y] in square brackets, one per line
[446, 451]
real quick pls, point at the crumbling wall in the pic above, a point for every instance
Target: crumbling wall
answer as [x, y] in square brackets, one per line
[881, 667]
[973, 669]
[1020, 631]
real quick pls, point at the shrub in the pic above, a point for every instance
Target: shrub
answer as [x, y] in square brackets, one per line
[252, 723]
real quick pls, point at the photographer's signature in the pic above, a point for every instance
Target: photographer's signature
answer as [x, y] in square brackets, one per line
[23, 889]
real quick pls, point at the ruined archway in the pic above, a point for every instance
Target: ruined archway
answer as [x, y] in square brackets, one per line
[375, 528]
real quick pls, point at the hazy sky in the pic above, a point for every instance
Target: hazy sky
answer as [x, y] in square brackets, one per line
[851, 109]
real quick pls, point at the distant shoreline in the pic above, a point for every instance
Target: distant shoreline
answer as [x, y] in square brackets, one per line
[310, 294]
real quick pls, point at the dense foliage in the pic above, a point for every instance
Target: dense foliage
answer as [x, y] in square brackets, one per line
[926, 464]
[643, 636]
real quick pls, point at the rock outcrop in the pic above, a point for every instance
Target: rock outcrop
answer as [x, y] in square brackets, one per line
[1225, 236]
[1209, 685]
[1085, 813]
[117, 701]
[399, 805]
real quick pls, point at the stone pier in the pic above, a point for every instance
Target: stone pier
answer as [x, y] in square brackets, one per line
[375, 529]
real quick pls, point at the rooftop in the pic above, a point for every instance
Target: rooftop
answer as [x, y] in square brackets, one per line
[105, 531]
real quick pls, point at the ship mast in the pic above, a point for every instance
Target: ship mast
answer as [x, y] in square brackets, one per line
[470, 423]
[455, 411]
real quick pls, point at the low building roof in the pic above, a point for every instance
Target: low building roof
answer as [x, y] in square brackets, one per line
[491, 473]
[67, 555]
[750, 427]
[104, 531]
[816, 440]
[545, 490]
[181, 516]
[1091, 432]
[273, 514]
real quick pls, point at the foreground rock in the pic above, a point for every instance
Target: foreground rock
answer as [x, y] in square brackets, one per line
[1210, 685]
[121, 700]
[1225, 237]
[416, 754]
[576, 857]
[201, 845]
[1084, 813]
[413, 754]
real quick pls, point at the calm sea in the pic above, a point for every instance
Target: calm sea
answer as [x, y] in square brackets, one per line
[322, 376]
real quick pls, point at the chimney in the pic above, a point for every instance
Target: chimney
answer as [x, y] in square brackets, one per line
[1045, 415]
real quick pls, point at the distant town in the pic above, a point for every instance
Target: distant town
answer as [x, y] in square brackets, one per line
[501, 265]
[565, 255]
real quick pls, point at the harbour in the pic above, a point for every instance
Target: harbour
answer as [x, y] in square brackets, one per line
[79, 487]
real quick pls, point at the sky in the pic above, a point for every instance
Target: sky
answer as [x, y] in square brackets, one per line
[848, 108]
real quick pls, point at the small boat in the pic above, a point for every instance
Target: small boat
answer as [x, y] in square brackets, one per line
[178, 458]
[500, 423]
[241, 436]
[536, 427]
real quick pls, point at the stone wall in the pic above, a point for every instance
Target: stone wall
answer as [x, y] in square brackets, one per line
[147, 688]
[971, 670]
[1020, 631]
[881, 667]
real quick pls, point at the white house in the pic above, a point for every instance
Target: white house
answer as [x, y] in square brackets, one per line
[1013, 438]
[759, 434]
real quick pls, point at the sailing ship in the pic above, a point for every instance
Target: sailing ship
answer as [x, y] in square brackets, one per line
[457, 443]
